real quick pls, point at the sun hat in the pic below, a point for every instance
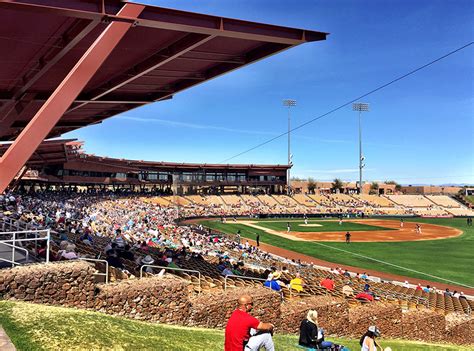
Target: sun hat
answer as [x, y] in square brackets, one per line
[70, 248]
[374, 330]
[148, 260]
[276, 275]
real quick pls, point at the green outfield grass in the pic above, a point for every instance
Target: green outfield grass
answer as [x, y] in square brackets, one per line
[450, 259]
[34, 327]
[325, 226]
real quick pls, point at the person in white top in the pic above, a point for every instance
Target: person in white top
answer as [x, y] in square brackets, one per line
[367, 341]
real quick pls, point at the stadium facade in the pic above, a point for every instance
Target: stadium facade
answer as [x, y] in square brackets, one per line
[60, 163]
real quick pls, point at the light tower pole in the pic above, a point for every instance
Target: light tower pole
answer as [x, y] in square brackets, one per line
[361, 107]
[289, 103]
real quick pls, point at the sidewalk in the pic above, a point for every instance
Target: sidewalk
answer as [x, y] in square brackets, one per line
[5, 343]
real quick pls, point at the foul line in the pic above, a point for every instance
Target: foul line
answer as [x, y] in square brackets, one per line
[394, 265]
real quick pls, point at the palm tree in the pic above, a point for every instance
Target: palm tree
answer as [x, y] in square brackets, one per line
[374, 188]
[337, 185]
[311, 185]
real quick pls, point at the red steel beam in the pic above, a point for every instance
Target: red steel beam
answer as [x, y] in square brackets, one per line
[50, 113]
[169, 19]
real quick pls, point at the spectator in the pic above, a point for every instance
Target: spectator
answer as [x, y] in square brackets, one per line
[241, 324]
[86, 238]
[364, 296]
[418, 287]
[272, 283]
[148, 260]
[310, 336]
[126, 253]
[69, 253]
[328, 283]
[297, 283]
[113, 259]
[367, 341]
[427, 289]
[227, 271]
[347, 289]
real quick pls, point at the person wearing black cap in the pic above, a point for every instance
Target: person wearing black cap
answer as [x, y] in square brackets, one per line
[367, 341]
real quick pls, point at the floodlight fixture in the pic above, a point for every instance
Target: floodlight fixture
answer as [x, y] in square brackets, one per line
[289, 103]
[360, 107]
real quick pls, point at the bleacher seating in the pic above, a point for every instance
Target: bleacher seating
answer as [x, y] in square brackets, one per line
[443, 200]
[285, 200]
[232, 200]
[321, 199]
[374, 200]
[268, 200]
[304, 200]
[411, 200]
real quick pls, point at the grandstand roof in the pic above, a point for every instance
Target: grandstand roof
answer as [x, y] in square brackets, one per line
[49, 152]
[70, 153]
[165, 52]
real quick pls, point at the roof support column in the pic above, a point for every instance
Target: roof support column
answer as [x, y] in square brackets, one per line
[53, 109]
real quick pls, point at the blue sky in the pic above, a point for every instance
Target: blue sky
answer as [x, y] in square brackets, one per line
[419, 130]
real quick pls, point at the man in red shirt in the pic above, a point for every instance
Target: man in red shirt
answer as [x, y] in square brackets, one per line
[364, 296]
[328, 283]
[237, 331]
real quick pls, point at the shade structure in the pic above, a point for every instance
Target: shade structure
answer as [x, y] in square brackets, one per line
[165, 52]
[69, 64]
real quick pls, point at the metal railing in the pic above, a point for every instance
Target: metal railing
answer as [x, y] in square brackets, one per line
[106, 274]
[14, 224]
[240, 277]
[173, 269]
[27, 253]
[15, 237]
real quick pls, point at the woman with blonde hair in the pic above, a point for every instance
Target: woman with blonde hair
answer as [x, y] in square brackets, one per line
[310, 336]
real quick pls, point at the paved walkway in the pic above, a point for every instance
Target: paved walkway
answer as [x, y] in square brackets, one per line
[5, 343]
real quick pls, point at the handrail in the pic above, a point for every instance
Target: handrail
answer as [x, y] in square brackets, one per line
[239, 276]
[24, 231]
[173, 269]
[12, 262]
[13, 239]
[99, 260]
[27, 253]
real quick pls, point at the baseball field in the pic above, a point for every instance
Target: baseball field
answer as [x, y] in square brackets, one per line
[442, 252]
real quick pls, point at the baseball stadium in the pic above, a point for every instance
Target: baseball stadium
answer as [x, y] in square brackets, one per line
[119, 253]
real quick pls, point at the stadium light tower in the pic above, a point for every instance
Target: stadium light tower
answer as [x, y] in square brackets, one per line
[289, 103]
[361, 107]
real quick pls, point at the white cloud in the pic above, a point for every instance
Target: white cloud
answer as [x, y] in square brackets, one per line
[192, 125]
